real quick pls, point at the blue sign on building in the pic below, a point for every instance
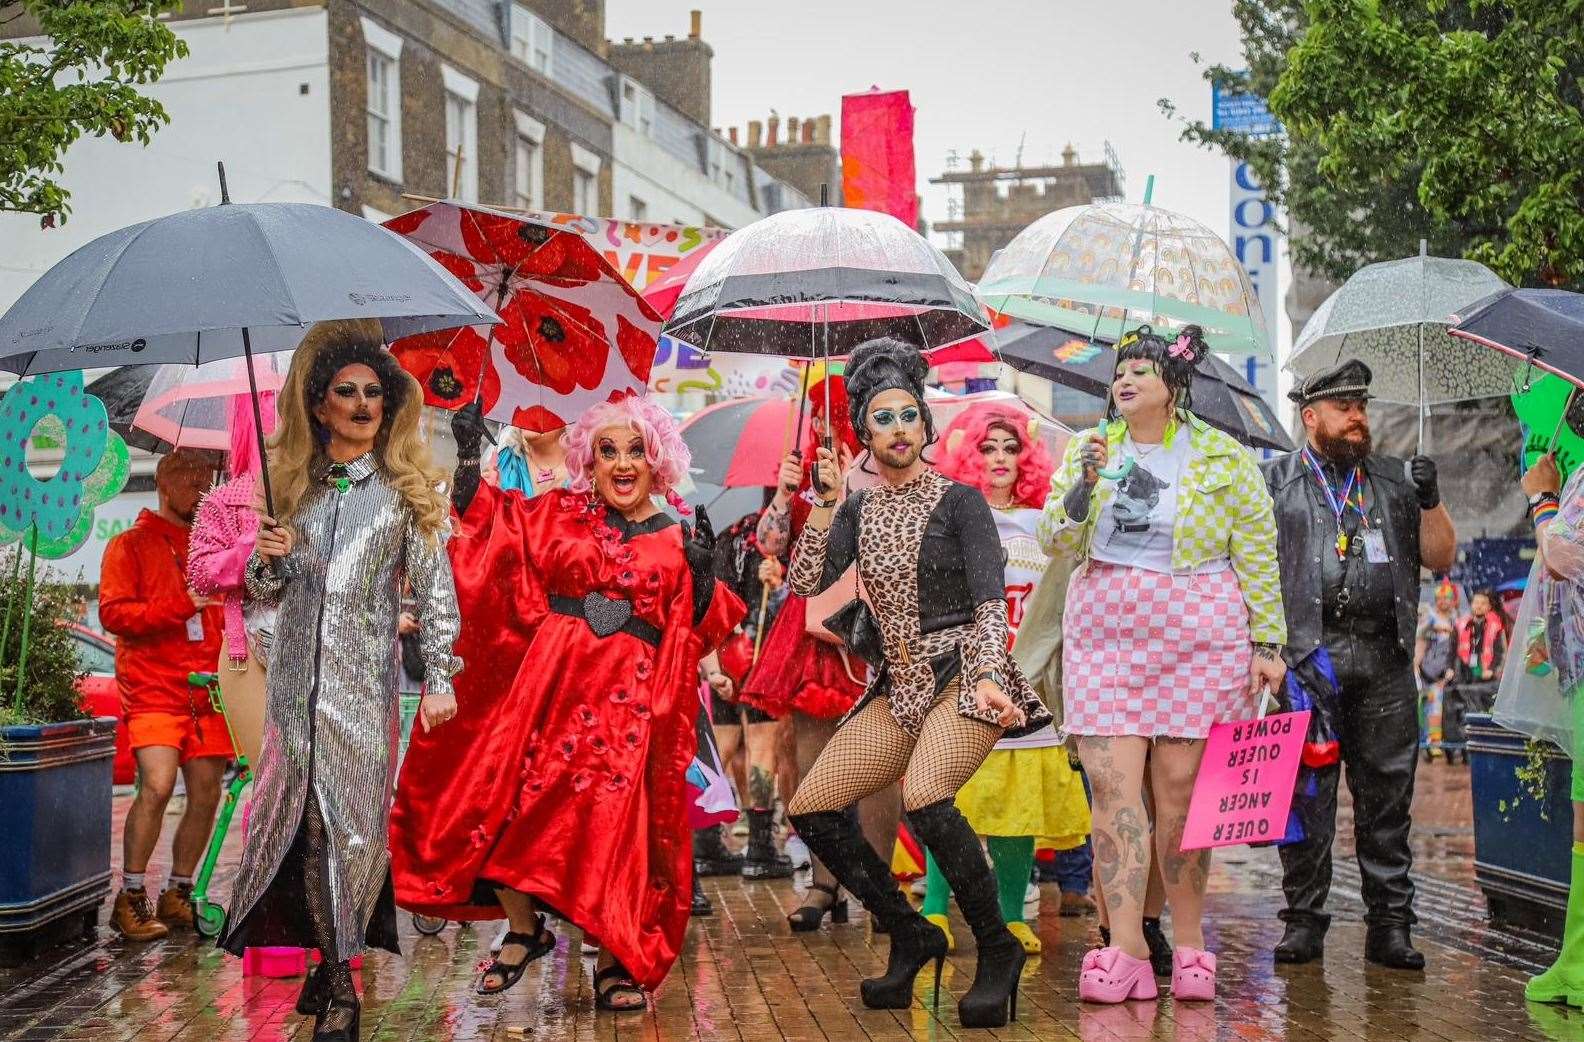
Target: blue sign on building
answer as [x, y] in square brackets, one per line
[1242, 113]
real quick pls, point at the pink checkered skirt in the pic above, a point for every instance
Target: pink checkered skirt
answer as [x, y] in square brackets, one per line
[1151, 654]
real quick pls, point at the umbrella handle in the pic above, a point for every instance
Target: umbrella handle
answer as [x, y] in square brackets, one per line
[1117, 473]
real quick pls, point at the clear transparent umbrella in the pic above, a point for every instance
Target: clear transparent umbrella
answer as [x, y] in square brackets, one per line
[1104, 268]
[1394, 317]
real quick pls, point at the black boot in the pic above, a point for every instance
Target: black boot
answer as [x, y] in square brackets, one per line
[710, 856]
[834, 838]
[315, 994]
[1301, 942]
[1160, 948]
[1390, 946]
[701, 902]
[762, 860]
[992, 1000]
[339, 1021]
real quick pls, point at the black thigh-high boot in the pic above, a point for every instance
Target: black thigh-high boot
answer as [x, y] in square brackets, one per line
[834, 838]
[993, 997]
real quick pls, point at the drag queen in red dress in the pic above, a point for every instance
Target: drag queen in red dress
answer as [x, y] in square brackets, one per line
[562, 784]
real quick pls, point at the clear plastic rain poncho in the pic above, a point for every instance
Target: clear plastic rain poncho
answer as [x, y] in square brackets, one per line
[1539, 689]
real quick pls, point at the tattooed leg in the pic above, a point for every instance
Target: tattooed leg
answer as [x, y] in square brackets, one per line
[761, 765]
[1121, 833]
[1173, 766]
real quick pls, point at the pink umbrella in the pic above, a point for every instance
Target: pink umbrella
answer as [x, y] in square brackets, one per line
[663, 292]
[194, 406]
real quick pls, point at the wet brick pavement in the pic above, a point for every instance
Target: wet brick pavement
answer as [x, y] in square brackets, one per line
[744, 978]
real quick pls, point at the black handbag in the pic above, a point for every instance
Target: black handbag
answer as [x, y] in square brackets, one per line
[856, 625]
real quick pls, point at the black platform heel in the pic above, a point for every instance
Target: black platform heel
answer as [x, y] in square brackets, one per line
[346, 1033]
[913, 946]
[993, 998]
[807, 919]
[315, 993]
[834, 838]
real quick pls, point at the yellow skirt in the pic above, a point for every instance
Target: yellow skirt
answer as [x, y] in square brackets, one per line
[1027, 792]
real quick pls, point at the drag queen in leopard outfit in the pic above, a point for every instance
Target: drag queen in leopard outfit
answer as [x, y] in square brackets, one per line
[944, 690]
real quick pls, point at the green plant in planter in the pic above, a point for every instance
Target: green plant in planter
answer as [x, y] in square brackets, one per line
[1534, 779]
[48, 693]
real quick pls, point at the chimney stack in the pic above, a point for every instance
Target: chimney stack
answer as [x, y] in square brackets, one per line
[808, 132]
[732, 134]
[772, 130]
[755, 130]
[792, 130]
[822, 130]
[1069, 155]
[696, 26]
[976, 160]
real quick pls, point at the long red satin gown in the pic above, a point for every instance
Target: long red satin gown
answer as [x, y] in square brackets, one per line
[563, 774]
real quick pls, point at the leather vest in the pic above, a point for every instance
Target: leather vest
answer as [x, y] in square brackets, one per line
[1306, 530]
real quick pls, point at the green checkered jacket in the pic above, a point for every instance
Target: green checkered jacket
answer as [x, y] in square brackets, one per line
[1223, 511]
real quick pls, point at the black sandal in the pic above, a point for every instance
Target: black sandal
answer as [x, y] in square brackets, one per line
[624, 983]
[540, 943]
[808, 918]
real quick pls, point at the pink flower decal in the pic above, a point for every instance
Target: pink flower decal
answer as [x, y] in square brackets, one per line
[598, 745]
[621, 696]
[641, 710]
[632, 739]
[479, 836]
[644, 669]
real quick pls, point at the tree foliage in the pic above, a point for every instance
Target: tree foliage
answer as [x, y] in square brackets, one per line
[1457, 121]
[84, 79]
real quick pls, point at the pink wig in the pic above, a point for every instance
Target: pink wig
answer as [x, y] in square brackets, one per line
[962, 461]
[244, 457]
[668, 454]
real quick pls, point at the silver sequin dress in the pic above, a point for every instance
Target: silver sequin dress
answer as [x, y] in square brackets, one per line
[333, 706]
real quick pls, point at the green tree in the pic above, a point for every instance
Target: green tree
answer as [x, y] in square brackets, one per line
[1457, 121]
[83, 80]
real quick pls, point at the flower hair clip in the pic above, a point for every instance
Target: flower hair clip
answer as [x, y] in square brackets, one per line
[1130, 338]
[1182, 348]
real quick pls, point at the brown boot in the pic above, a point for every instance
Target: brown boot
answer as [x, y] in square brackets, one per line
[176, 906]
[1076, 904]
[133, 918]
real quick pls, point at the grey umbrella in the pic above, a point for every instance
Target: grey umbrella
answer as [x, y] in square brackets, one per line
[224, 281]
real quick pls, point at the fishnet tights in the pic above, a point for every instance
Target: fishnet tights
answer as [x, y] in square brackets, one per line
[871, 751]
[320, 907]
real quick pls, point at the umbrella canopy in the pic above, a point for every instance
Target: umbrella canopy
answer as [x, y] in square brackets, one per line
[184, 288]
[1544, 327]
[662, 294]
[574, 333]
[740, 443]
[165, 407]
[1221, 396]
[1104, 268]
[1394, 317]
[818, 282]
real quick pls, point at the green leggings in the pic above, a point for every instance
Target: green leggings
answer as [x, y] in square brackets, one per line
[1013, 857]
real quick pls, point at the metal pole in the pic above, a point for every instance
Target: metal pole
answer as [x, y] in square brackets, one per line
[1423, 407]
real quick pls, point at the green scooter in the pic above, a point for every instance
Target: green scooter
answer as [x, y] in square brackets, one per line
[209, 916]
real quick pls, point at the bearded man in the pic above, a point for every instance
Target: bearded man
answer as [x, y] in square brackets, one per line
[1353, 530]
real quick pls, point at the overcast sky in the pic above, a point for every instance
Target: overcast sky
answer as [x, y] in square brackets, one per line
[983, 74]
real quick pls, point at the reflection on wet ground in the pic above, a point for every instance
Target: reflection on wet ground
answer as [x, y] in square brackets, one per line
[744, 977]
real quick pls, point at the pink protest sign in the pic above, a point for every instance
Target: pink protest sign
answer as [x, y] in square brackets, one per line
[1245, 783]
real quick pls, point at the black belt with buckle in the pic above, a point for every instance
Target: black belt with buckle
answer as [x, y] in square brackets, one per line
[606, 616]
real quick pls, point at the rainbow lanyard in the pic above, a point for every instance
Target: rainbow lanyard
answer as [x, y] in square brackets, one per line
[1352, 496]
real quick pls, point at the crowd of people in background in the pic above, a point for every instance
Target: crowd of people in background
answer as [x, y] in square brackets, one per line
[1018, 658]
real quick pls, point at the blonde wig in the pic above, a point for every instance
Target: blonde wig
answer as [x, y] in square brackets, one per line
[297, 456]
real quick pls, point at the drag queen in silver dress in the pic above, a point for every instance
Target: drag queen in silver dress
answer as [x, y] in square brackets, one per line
[359, 512]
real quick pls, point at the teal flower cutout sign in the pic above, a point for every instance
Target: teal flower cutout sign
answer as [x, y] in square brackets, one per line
[93, 466]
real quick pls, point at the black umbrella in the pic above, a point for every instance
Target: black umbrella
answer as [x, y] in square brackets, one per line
[226, 281]
[1544, 327]
[1221, 397]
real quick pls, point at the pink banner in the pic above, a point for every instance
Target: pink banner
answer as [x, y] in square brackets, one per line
[1245, 784]
[877, 154]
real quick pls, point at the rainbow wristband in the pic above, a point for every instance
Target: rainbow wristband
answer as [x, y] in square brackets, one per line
[1543, 510]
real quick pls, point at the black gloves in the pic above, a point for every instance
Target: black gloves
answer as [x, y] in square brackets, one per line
[1422, 472]
[698, 544]
[467, 427]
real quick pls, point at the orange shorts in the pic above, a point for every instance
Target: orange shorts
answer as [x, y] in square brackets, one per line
[204, 736]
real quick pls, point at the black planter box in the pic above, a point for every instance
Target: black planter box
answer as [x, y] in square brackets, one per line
[1522, 846]
[55, 790]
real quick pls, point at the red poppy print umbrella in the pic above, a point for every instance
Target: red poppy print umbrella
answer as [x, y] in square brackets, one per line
[574, 332]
